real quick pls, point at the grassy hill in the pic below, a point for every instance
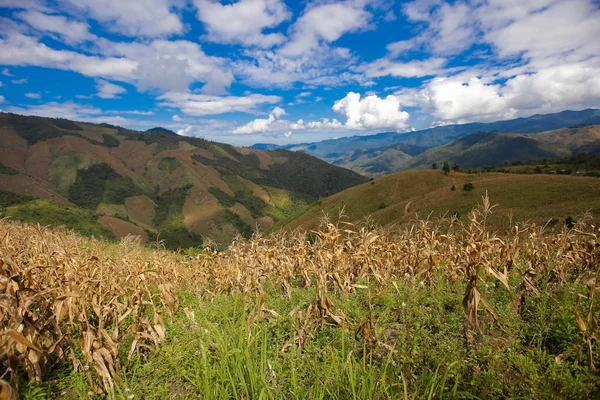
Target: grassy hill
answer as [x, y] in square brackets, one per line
[156, 184]
[398, 198]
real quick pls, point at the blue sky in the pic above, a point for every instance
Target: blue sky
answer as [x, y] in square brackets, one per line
[278, 71]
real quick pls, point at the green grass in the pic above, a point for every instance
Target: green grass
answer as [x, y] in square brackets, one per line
[228, 352]
[48, 213]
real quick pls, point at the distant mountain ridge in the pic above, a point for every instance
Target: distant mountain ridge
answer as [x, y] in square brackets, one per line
[381, 155]
[108, 180]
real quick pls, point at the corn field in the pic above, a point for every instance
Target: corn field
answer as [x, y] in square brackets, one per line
[96, 305]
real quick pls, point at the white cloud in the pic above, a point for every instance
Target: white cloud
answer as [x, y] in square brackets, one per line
[176, 118]
[243, 21]
[33, 95]
[324, 123]
[1, 99]
[148, 18]
[261, 125]
[324, 23]
[70, 31]
[19, 81]
[67, 110]
[166, 65]
[549, 90]
[5, 72]
[371, 112]
[107, 90]
[410, 69]
[288, 134]
[201, 104]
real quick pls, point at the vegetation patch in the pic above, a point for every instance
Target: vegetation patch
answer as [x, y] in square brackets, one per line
[110, 140]
[168, 164]
[100, 183]
[223, 198]
[170, 222]
[6, 170]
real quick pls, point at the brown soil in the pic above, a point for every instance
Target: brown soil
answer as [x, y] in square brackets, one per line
[141, 209]
[121, 228]
[30, 186]
[265, 222]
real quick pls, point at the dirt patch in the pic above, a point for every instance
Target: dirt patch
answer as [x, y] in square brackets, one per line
[13, 149]
[30, 186]
[265, 222]
[121, 228]
[112, 210]
[134, 154]
[243, 213]
[264, 158]
[407, 208]
[141, 209]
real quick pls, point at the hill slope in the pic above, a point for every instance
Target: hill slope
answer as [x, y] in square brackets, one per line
[399, 197]
[157, 184]
[376, 161]
[481, 149]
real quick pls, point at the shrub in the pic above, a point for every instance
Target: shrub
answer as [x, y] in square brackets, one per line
[468, 187]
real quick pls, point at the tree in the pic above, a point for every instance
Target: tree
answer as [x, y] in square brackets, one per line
[456, 167]
[446, 168]
[468, 187]
[434, 165]
[453, 188]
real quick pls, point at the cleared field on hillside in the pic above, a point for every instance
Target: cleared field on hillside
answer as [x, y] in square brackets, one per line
[537, 198]
[446, 310]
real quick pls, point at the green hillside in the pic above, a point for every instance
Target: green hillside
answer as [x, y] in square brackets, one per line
[399, 198]
[180, 190]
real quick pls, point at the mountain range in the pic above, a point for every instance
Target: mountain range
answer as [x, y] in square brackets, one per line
[388, 152]
[110, 181]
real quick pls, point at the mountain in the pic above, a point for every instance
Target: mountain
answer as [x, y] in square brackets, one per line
[376, 161]
[492, 149]
[110, 181]
[159, 129]
[401, 197]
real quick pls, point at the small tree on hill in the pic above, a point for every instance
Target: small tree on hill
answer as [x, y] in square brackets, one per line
[446, 168]
[453, 188]
[468, 187]
[434, 165]
[456, 167]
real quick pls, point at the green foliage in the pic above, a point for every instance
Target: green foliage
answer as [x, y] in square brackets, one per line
[446, 168]
[66, 124]
[110, 140]
[88, 188]
[468, 187]
[8, 199]
[100, 183]
[300, 173]
[434, 165]
[242, 227]
[49, 213]
[6, 170]
[382, 205]
[168, 164]
[570, 222]
[170, 222]
[223, 198]
[34, 129]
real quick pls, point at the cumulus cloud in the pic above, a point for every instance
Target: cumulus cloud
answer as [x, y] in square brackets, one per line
[243, 21]
[33, 95]
[107, 90]
[261, 125]
[371, 112]
[549, 90]
[149, 18]
[324, 23]
[69, 30]
[323, 123]
[201, 104]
